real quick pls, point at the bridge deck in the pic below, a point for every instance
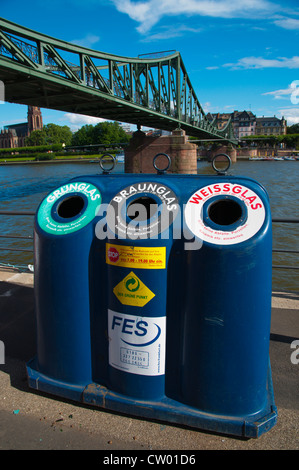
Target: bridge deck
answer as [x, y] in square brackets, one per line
[36, 70]
[33, 89]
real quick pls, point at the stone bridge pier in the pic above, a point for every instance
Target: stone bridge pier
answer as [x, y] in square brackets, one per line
[229, 150]
[142, 149]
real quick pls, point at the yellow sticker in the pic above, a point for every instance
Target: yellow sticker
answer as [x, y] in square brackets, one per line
[136, 256]
[132, 291]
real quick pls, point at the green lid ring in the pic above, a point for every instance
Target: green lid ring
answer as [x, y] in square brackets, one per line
[66, 225]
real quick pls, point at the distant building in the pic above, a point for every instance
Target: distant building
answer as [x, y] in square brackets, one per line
[221, 119]
[245, 123]
[126, 127]
[14, 135]
[270, 126]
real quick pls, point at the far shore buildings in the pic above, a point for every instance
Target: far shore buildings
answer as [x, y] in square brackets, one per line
[14, 135]
[245, 123]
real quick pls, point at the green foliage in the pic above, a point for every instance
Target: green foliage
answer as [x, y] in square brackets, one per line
[84, 136]
[50, 134]
[294, 129]
[44, 156]
[37, 137]
[290, 140]
[105, 133]
[28, 151]
[42, 143]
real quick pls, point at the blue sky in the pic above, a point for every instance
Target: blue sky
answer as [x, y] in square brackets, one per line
[238, 55]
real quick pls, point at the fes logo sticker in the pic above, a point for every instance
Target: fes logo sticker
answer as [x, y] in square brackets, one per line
[137, 344]
[254, 208]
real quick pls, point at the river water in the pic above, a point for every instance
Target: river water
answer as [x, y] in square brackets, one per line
[23, 186]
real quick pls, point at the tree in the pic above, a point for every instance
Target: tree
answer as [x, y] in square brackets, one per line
[50, 134]
[36, 138]
[58, 134]
[105, 133]
[291, 141]
[83, 136]
[294, 129]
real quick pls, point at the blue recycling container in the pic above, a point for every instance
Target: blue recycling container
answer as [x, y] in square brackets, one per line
[153, 298]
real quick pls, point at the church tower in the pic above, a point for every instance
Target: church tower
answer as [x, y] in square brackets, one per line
[35, 120]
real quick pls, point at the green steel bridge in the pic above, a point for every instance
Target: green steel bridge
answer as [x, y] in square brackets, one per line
[153, 91]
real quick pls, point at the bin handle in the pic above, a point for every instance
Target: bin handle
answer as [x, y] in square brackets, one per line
[106, 171]
[161, 171]
[218, 170]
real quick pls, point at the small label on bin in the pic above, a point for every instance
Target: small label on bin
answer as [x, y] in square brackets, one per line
[137, 344]
[136, 257]
[132, 291]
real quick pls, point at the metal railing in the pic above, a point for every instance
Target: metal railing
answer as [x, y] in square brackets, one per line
[13, 236]
[29, 237]
[285, 221]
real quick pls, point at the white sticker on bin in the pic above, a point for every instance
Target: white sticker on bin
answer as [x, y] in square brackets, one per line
[137, 343]
[254, 219]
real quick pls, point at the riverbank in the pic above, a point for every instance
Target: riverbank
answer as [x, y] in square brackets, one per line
[32, 161]
[95, 158]
[38, 162]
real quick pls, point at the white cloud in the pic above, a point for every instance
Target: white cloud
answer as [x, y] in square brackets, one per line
[148, 13]
[208, 107]
[291, 115]
[88, 41]
[78, 120]
[171, 32]
[261, 63]
[287, 23]
[230, 106]
[282, 93]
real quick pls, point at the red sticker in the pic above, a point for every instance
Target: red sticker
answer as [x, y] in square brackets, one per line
[113, 254]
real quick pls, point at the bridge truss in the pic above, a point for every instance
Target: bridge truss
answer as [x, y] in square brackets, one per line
[39, 70]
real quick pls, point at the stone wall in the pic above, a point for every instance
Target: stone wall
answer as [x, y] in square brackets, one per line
[142, 149]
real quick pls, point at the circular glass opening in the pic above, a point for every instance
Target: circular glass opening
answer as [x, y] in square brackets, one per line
[225, 212]
[141, 209]
[70, 207]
